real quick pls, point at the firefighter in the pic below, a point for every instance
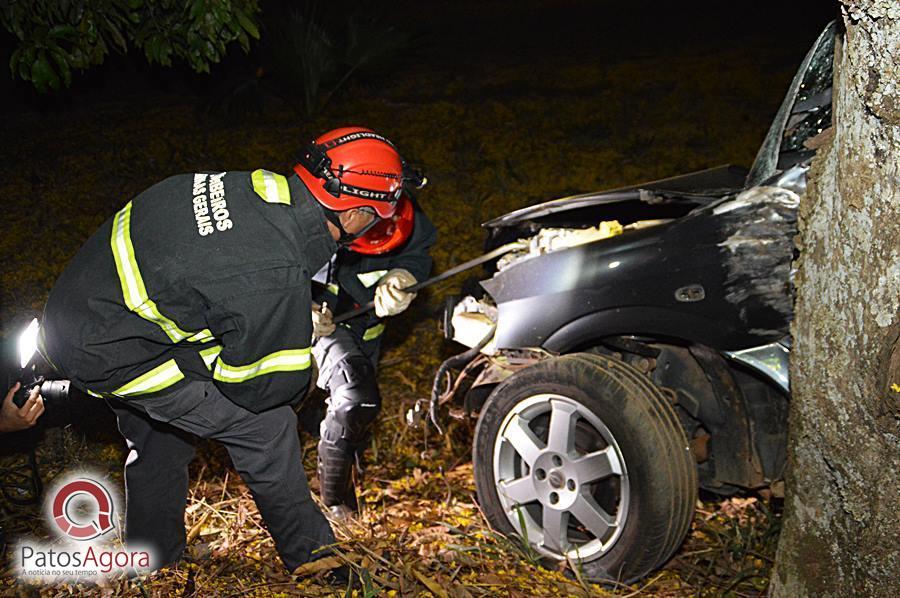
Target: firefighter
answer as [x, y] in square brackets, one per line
[189, 312]
[377, 266]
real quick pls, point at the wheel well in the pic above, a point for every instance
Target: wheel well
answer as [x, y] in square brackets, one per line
[736, 422]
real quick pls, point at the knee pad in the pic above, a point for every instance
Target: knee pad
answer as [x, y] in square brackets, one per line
[354, 401]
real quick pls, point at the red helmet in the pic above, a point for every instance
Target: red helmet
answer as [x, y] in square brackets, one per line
[353, 167]
[390, 233]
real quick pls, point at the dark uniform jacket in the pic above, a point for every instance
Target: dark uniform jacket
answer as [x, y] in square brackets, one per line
[202, 276]
[355, 276]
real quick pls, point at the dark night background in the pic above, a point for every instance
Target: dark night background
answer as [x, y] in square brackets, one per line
[504, 103]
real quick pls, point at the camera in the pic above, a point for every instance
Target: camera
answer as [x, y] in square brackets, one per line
[54, 392]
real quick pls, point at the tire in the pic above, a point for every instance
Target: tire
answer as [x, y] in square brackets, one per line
[617, 480]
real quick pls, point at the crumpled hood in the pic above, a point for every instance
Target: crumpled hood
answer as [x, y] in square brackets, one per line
[697, 188]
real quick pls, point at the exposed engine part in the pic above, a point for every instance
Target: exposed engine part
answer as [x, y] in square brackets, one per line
[496, 369]
[642, 224]
[471, 321]
[467, 321]
[488, 371]
[554, 239]
[457, 361]
[508, 362]
[548, 240]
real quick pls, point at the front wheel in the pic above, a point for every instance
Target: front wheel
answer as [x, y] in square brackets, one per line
[583, 458]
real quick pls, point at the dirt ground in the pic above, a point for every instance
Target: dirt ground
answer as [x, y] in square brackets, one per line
[504, 104]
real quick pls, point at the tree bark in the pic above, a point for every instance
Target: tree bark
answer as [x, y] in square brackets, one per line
[841, 532]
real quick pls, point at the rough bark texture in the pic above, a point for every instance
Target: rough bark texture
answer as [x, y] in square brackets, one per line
[841, 533]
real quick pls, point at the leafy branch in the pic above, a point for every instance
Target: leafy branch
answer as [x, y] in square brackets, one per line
[55, 37]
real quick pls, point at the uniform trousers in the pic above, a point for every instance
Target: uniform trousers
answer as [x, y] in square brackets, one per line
[161, 433]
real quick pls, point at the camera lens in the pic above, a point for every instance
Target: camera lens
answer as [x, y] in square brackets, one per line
[55, 390]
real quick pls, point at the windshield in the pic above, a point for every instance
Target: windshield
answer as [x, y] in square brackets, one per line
[811, 113]
[804, 113]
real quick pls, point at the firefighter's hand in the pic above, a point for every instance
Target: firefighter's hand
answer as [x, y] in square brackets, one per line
[322, 321]
[390, 298]
[14, 418]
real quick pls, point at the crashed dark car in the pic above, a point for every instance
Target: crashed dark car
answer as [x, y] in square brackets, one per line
[631, 346]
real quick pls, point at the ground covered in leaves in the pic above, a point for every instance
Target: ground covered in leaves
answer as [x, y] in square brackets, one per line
[493, 134]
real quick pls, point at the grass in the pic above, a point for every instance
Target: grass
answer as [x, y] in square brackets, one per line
[421, 531]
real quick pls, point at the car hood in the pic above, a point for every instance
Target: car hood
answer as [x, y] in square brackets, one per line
[696, 187]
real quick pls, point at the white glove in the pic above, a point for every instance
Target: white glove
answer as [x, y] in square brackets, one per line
[390, 298]
[321, 321]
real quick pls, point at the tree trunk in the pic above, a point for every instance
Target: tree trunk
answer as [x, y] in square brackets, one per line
[841, 531]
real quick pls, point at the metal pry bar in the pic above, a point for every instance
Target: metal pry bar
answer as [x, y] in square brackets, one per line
[503, 249]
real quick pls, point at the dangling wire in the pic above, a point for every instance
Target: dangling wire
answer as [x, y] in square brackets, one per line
[457, 361]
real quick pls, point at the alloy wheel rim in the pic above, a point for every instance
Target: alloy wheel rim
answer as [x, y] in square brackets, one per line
[557, 478]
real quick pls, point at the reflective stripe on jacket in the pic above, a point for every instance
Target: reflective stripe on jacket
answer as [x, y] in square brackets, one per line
[202, 276]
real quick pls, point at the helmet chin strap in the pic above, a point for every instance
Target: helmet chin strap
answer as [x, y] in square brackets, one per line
[346, 238]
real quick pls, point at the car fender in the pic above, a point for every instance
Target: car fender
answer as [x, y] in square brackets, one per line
[655, 322]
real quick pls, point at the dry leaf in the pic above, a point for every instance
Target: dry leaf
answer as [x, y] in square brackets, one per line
[318, 566]
[433, 586]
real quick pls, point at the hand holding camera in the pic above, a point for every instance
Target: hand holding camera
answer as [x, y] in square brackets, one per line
[14, 417]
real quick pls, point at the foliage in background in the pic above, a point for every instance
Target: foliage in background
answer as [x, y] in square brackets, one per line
[313, 50]
[55, 37]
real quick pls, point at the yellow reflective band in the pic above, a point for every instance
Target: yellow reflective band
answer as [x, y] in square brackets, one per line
[273, 188]
[133, 290]
[373, 332]
[209, 355]
[93, 394]
[203, 336]
[289, 360]
[333, 288]
[160, 377]
[370, 278]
